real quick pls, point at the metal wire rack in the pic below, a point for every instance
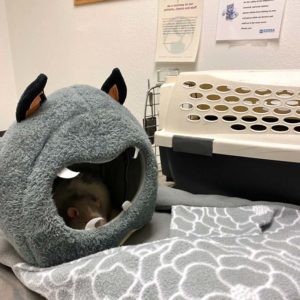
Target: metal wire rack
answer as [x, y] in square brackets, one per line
[151, 113]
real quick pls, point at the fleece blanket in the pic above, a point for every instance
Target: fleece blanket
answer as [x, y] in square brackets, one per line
[243, 252]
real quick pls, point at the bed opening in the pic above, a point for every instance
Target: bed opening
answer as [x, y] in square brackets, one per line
[98, 190]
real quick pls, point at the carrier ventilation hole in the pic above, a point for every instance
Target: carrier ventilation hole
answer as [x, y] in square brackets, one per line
[229, 118]
[238, 127]
[297, 128]
[272, 102]
[260, 110]
[270, 119]
[251, 101]
[249, 119]
[292, 120]
[258, 127]
[284, 93]
[205, 86]
[240, 109]
[242, 90]
[263, 92]
[282, 111]
[211, 118]
[196, 95]
[232, 99]
[213, 97]
[221, 108]
[223, 89]
[186, 106]
[189, 84]
[203, 106]
[193, 117]
[298, 112]
[280, 128]
[293, 103]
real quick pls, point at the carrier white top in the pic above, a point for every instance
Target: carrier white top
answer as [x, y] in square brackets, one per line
[265, 77]
[246, 113]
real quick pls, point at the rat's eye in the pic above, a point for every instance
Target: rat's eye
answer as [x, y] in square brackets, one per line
[90, 197]
[93, 198]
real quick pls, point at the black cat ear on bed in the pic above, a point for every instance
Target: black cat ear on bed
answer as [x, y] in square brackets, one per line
[32, 98]
[115, 86]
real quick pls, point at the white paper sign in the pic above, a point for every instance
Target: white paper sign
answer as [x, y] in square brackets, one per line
[178, 32]
[249, 19]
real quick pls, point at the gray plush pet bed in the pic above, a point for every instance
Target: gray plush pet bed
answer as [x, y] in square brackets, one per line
[78, 125]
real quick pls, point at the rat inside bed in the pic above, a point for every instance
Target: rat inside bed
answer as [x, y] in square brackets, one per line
[97, 192]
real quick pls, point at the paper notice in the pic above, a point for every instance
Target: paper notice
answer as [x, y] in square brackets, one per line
[178, 32]
[249, 19]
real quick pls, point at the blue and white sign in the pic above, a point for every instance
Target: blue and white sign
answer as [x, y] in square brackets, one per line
[249, 19]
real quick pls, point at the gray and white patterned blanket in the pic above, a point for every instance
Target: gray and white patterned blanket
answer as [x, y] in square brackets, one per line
[250, 252]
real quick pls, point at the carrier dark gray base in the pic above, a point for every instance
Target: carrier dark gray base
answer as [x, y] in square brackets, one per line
[254, 179]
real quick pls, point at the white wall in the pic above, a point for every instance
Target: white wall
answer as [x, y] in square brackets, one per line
[7, 81]
[82, 44]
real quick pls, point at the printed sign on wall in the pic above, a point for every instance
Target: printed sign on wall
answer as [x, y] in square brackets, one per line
[249, 19]
[178, 30]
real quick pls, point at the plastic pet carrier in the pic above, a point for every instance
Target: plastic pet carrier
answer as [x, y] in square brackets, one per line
[234, 133]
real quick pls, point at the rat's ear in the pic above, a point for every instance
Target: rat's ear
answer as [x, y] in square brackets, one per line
[72, 212]
[115, 86]
[32, 98]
